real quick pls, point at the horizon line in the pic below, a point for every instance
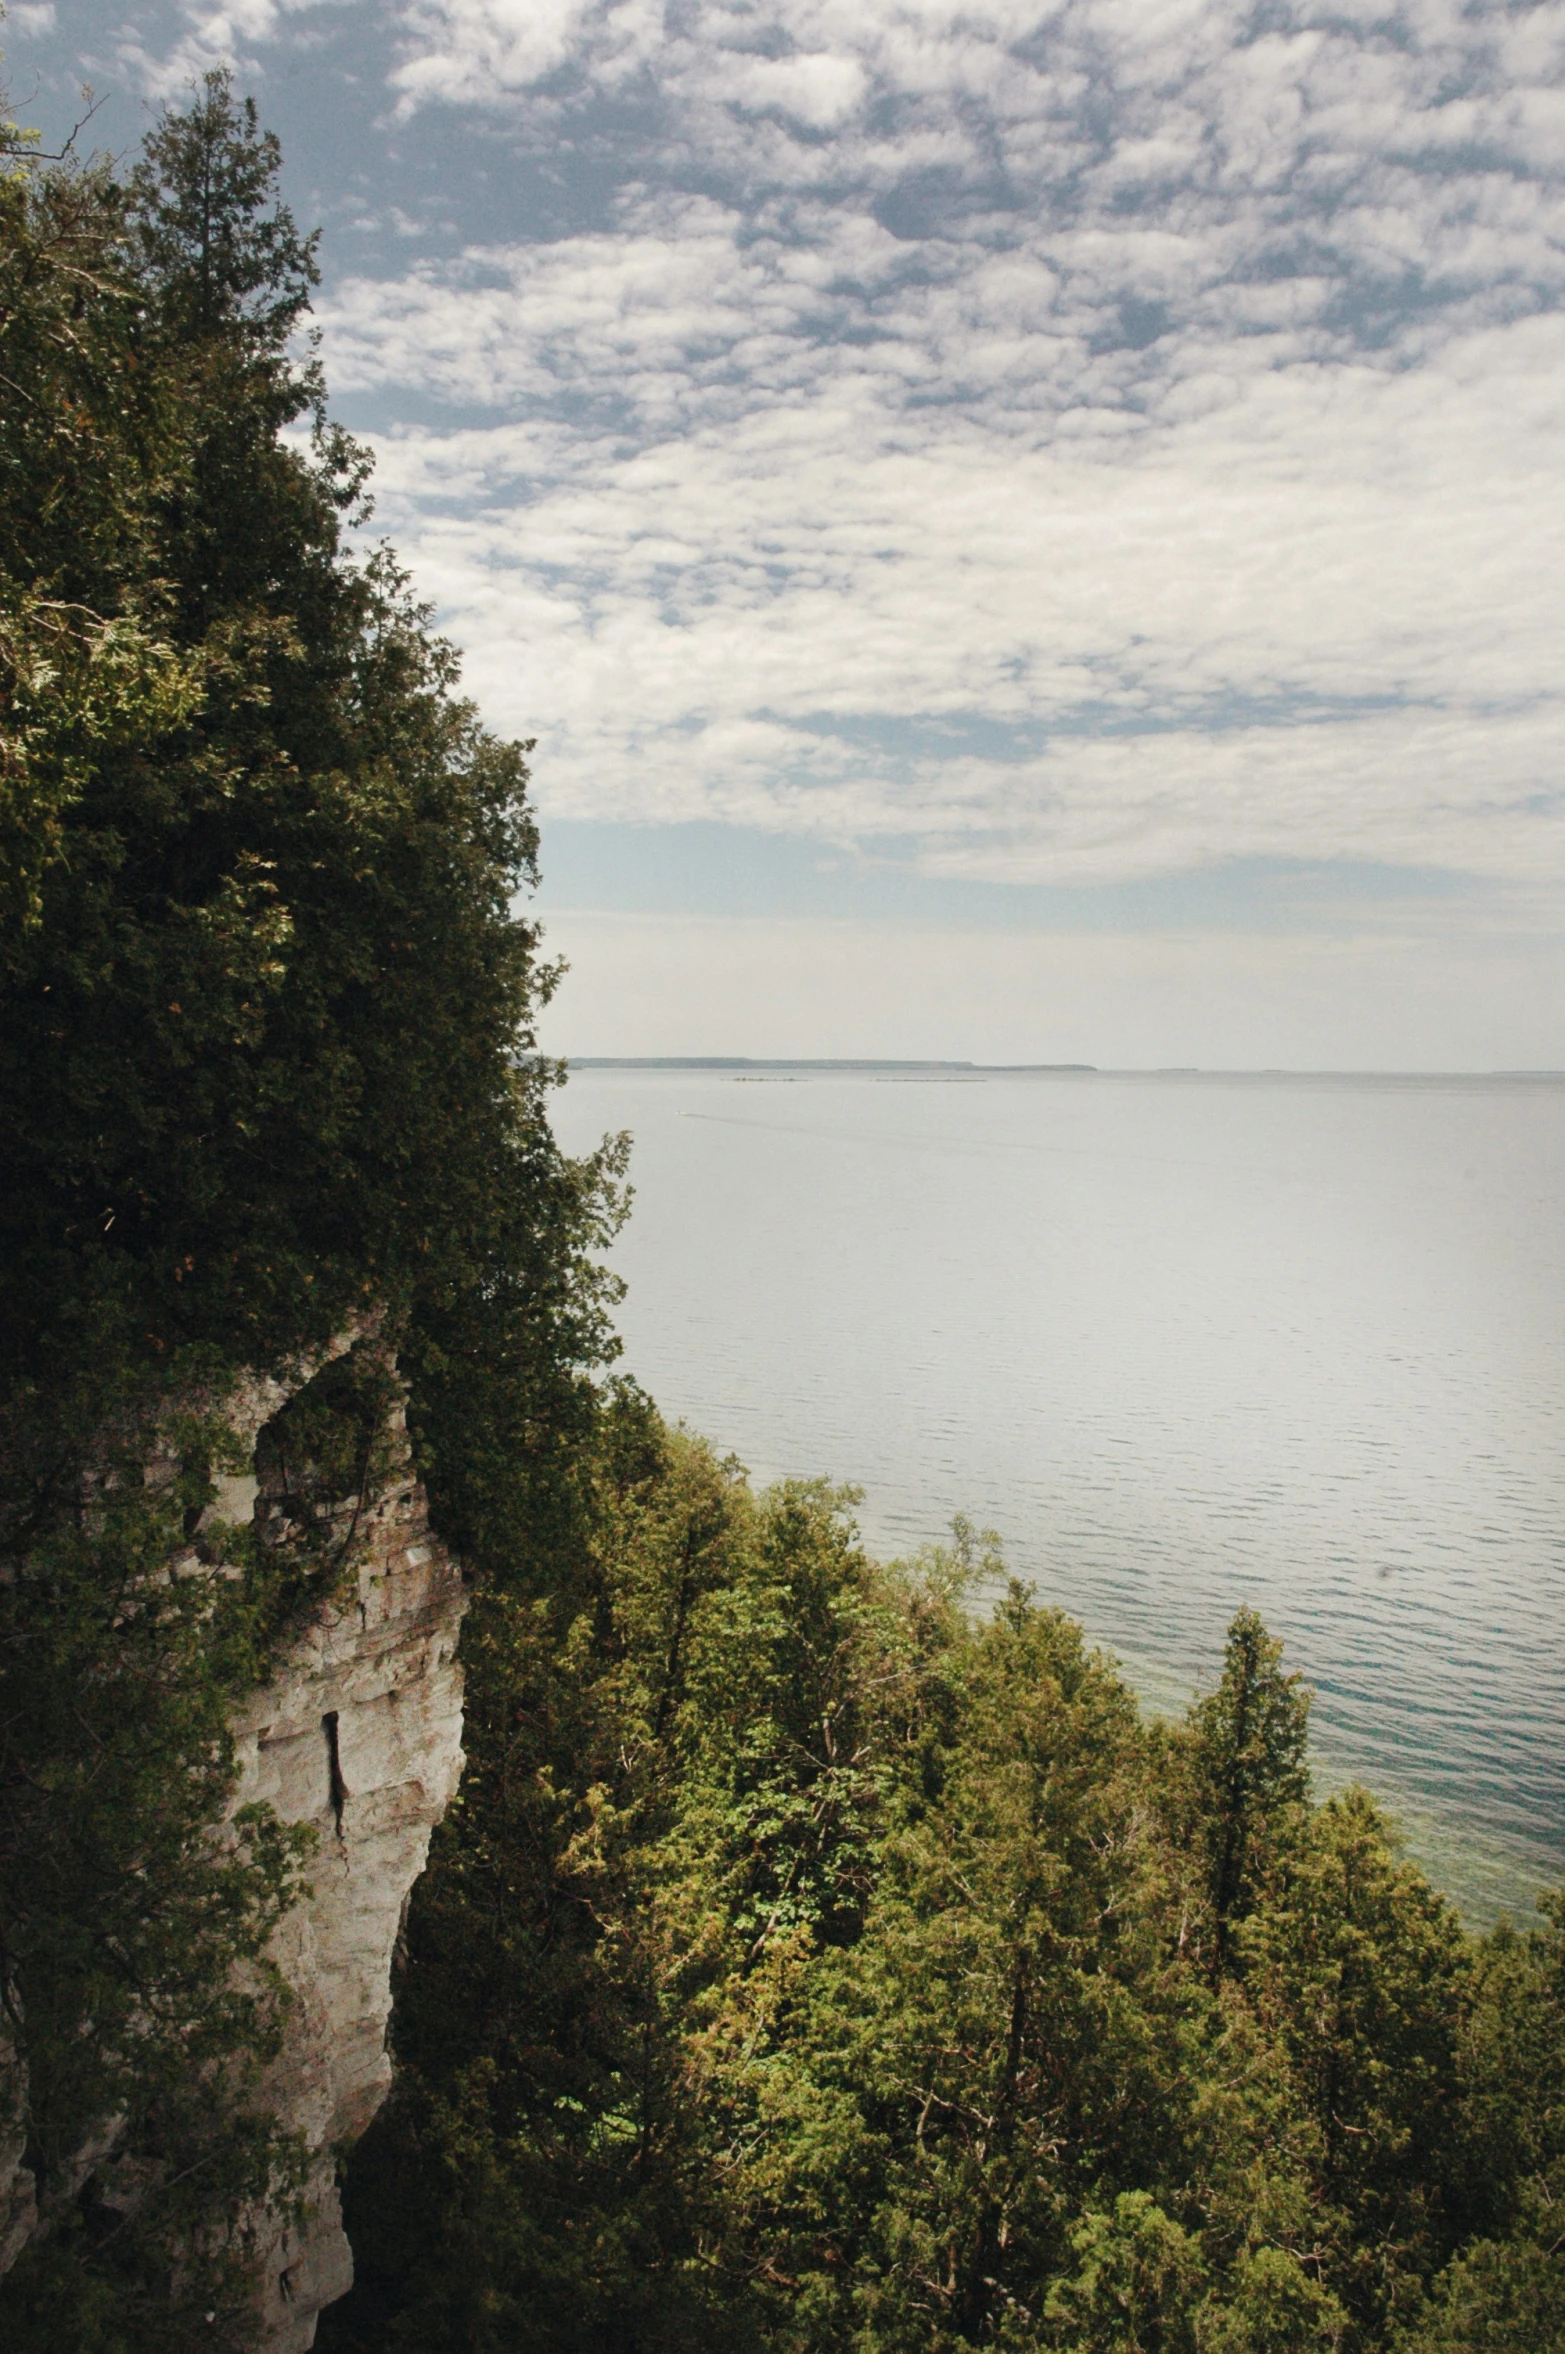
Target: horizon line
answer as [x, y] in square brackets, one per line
[934, 1063]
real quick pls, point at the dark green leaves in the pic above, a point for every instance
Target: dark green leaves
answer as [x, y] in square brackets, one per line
[221, 250]
[1248, 1774]
[812, 1967]
[266, 1072]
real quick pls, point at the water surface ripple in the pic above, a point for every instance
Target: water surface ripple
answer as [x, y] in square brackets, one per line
[1185, 1342]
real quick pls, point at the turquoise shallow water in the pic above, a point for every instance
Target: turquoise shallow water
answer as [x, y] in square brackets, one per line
[1184, 1342]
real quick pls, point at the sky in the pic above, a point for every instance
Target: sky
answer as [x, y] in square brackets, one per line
[1022, 534]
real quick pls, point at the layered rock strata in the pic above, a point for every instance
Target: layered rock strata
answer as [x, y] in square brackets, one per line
[358, 1732]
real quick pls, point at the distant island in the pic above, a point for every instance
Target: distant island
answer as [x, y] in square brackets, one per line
[746, 1062]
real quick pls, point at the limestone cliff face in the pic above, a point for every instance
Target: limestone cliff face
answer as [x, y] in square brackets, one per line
[359, 1733]
[18, 2199]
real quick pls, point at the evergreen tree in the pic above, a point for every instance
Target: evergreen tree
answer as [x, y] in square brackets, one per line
[803, 1970]
[1366, 1982]
[266, 1061]
[1249, 1774]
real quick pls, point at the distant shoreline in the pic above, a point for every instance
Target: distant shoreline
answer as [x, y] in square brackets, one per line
[745, 1062]
[828, 1066]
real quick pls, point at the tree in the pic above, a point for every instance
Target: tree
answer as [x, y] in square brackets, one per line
[1249, 1774]
[803, 1971]
[1500, 2297]
[1135, 2286]
[931, 2101]
[1365, 1980]
[540, 2166]
[267, 1040]
[1505, 2293]
[266, 1062]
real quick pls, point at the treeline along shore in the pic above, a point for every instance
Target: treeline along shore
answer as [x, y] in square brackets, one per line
[813, 1959]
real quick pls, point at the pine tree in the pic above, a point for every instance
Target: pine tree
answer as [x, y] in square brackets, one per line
[1250, 1775]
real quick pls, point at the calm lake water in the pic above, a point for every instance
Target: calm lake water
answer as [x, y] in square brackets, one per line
[1185, 1342]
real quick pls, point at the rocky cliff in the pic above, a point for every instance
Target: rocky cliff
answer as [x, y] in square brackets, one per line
[359, 1733]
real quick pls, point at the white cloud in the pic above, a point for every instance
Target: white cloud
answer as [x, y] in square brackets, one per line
[1258, 610]
[816, 88]
[466, 49]
[231, 33]
[1066, 445]
[1116, 98]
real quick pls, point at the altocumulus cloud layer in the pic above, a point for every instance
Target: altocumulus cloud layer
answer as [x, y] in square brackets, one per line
[1061, 446]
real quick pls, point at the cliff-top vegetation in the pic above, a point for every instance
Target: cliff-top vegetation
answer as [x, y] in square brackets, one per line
[265, 1070]
[819, 1962]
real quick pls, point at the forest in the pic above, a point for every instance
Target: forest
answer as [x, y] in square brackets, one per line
[815, 1960]
[820, 1955]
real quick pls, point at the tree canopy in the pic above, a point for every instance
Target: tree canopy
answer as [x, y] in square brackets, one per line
[267, 1067]
[815, 1962]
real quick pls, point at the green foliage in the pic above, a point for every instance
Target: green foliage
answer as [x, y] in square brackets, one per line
[1272, 2305]
[266, 1022]
[266, 1064]
[1135, 2285]
[1506, 2293]
[1504, 2297]
[1364, 1971]
[980, 2023]
[1245, 1755]
[136, 1984]
[810, 1965]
